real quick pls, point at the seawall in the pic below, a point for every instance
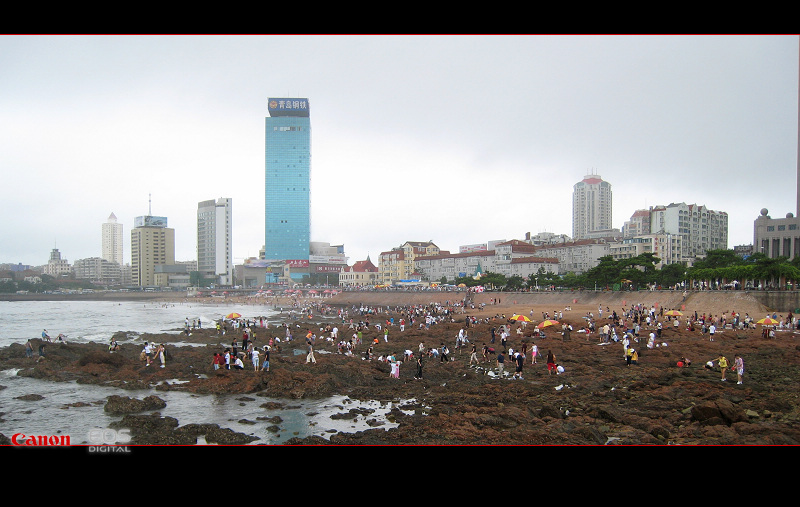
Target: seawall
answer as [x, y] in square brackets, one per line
[715, 302]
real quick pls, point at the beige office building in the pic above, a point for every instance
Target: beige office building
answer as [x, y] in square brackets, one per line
[152, 244]
[776, 237]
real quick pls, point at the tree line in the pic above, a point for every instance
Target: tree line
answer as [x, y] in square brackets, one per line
[717, 270]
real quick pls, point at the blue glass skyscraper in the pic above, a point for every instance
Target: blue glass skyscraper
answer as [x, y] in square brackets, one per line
[288, 181]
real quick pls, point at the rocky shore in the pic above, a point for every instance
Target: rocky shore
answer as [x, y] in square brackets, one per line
[598, 400]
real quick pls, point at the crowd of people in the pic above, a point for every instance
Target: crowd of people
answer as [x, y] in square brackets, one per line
[633, 327]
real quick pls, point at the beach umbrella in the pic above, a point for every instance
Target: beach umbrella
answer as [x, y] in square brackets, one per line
[547, 323]
[673, 313]
[520, 318]
[768, 321]
[312, 292]
[233, 315]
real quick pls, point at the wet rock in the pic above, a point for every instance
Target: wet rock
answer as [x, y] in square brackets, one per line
[30, 397]
[718, 412]
[125, 405]
[225, 436]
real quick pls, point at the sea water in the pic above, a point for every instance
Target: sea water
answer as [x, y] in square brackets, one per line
[86, 321]
[69, 408]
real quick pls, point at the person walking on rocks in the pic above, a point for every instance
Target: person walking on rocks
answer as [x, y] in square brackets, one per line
[723, 365]
[418, 376]
[738, 366]
[520, 360]
[500, 363]
[551, 362]
[148, 352]
[310, 357]
[265, 362]
[474, 355]
[43, 345]
[161, 354]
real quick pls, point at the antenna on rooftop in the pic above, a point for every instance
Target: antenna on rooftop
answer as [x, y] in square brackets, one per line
[149, 205]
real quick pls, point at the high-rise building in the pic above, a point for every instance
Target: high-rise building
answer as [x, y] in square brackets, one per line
[152, 244]
[287, 204]
[700, 228]
[112, 240]
[591, 207]
[214, 252]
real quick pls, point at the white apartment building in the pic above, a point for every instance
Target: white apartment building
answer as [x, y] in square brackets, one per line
[520, 258]
[111, 238]
[98, 270]
[576, 256]
[591, 207]
[701, 229]
[214, 232]
[546, 238]
[527, 267]
[509, 258]
[666, 247]
[451, 266]
[638, 224]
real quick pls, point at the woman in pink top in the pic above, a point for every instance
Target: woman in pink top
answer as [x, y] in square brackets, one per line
[738, 365]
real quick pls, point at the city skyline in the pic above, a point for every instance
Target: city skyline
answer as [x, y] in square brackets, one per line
[455, 139]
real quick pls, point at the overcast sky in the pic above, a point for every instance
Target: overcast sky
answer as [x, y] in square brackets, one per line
[455, 139]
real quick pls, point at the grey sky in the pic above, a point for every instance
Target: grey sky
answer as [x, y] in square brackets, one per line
[455, 139]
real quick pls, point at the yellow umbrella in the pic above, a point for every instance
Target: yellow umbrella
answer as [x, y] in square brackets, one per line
[233, 315]
[768, 321]
[673, 313]
[520, 318]
[547, 323]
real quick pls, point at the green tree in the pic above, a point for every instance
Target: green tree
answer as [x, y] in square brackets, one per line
[515, 282]
[719, 259]
[671, 274]
[606, 273]
[543, 279]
